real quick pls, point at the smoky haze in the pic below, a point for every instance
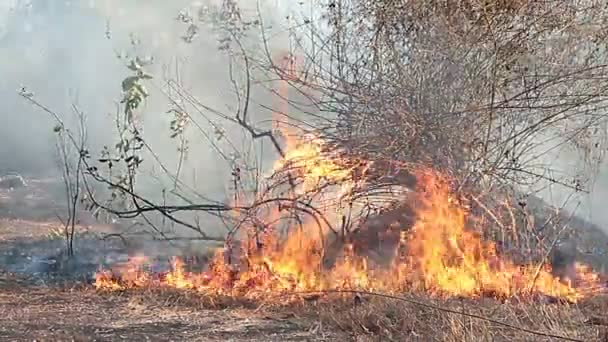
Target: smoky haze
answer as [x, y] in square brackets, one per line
[65, 52]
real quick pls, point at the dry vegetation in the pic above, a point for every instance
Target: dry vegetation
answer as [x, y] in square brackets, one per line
[33, 313]
[82, 314]
[423, 138]
[76, 311]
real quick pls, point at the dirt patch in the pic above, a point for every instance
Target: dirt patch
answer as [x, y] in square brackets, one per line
[80, 314]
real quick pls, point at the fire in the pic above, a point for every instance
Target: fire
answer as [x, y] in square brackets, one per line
[455, 261]
[309, 161]
[441, 254]
[307, 156]
[438, 255]
[133, 275]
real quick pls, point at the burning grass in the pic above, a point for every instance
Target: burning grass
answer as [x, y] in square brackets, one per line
[441, 257]
[162, 313]
[39, 313]
[438, 256]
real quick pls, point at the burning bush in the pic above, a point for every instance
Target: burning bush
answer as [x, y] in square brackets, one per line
[440, 254]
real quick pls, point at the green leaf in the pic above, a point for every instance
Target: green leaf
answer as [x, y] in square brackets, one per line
[134, 66]
[129, 82]
[141, 89]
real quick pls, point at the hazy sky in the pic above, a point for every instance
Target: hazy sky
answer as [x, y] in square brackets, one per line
[59, 50]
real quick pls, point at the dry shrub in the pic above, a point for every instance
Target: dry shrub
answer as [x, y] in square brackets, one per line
[168, 297]
[378, 319]
[413, 317]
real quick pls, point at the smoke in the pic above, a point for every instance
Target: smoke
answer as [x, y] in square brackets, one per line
[561, 165]
[66, 53]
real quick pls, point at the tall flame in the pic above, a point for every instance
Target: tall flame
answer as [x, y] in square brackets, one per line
[455, 261]
[439, 254]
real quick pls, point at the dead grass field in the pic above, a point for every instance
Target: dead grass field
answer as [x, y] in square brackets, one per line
[34, 313]
[31, 310]
[79, 313]
[35, 310]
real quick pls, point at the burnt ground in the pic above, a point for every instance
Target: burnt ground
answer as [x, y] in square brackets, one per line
[45, 298]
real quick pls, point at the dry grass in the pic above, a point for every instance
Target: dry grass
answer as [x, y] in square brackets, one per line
[363, 317]
[42, 313]
[377, 319]
[81, 314]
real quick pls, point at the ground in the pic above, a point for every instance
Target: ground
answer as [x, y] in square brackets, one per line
[42, 313]
[35, 306]
[39, 304]
[79, 313]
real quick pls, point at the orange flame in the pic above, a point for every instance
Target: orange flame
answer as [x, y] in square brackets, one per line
[455, 261]
[439, 254]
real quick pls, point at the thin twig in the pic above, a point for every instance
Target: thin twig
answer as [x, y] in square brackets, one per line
[441, 309]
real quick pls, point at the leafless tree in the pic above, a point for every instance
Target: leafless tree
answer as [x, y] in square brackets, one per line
[475, 89]
[480, 90]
